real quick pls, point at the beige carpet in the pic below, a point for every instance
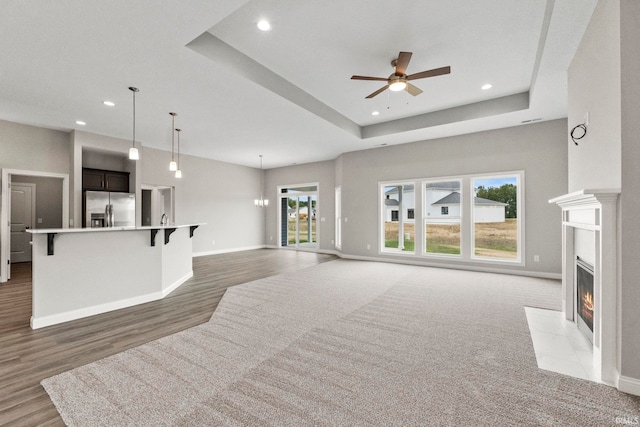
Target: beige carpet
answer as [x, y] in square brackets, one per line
[347, 343]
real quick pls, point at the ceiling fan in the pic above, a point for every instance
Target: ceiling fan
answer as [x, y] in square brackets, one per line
[399, 80]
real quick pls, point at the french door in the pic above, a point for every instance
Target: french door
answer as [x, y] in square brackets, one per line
[298, 217]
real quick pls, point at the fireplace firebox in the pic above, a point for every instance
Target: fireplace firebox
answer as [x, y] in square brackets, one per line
[584, 297]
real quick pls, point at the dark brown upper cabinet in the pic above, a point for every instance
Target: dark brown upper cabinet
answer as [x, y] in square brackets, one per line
[103, 180]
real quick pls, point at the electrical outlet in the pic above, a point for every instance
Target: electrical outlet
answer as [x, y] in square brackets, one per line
[70, 223]
[346, 219]
[586, 118]
[332, 242]
[322, 219]
[213, 242]
[39, 220]
[369, 247]
[270, 237]
[536, 258]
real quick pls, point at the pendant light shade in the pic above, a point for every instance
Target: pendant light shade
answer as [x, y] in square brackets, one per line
[178, 171]
[173, 166]
[133, 151]
[261, 202]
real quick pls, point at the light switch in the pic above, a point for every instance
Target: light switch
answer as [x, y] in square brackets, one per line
[39, 220]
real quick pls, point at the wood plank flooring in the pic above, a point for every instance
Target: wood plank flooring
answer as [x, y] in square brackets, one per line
[28, 356]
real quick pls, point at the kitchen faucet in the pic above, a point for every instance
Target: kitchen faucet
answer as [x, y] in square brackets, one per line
[163, 220]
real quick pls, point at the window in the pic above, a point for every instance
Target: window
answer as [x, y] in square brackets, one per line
[496, 226]
[470, 218]
[397, 200]
[442, 224]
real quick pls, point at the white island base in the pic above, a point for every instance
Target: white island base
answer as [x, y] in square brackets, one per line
[86, 271]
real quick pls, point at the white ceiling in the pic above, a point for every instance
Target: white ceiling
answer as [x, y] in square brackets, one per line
[286, 93]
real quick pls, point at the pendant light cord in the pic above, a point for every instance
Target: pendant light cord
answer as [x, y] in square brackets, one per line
[134, 90]
[134, 118]
[172, 133]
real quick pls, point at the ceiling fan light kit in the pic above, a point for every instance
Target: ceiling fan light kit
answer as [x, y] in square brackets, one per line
[398, 84]
[399, 80]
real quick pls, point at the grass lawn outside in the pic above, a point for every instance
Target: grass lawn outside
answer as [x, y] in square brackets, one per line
[492, 240]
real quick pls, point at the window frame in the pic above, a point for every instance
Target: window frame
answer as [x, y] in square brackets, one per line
[465, 220]
[442, 219]
[519, 260]
[382, 216]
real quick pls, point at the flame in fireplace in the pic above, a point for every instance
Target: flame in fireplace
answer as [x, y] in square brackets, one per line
[587, 300]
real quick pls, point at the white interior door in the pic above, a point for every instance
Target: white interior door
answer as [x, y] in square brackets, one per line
[22, 218]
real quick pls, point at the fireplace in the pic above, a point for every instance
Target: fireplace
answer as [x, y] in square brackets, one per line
[589, 284]
[584, 297]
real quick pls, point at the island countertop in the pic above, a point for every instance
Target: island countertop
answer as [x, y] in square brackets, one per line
[103, 229]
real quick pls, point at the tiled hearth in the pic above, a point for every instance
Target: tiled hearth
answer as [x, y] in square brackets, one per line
[589, 232]
[559, 345]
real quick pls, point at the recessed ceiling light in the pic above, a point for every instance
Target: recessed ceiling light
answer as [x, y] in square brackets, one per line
[108, 103]
[487, 86]
[264, 25]
[375, 113]
[80, 122]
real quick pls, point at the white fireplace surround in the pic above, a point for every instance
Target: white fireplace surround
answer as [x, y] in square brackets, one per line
[595, 212]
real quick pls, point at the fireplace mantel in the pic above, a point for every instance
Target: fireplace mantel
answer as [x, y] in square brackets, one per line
[586, 198]
[594, 210]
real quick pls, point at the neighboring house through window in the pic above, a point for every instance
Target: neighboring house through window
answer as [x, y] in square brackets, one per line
[444, 210]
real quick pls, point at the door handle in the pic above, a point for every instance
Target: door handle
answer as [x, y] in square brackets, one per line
[26, 227]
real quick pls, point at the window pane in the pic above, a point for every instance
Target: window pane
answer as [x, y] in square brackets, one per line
[443, 238]
[442, 199]
[398, 201]
[495, 217]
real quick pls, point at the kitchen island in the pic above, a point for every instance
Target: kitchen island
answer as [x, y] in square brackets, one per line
[80, 272]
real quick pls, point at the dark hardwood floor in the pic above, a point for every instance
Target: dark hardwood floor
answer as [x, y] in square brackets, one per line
[27, 356]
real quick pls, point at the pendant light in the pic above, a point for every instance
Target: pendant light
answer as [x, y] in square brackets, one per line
[178, 171]
[173, 166]
[133, 151]
[261, 202]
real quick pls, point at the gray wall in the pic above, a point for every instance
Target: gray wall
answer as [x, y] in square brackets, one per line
[32, 148]
[629, 200]
[594, 88]
[603, 80]
[48, 199]
[538, 149]
[217, 193]
[320, 172]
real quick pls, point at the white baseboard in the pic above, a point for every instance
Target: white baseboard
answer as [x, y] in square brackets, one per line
[541, 275]
[54, 319]
[398, 260]
[629, 385]
[225, 251]
[175, 285]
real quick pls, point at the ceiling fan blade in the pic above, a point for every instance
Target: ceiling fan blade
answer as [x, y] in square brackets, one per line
[413, 90]
[379, 79]
[430, 73]
[382, 89]
[402, 63]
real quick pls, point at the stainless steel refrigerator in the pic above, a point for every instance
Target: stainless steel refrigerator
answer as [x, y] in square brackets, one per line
[106, 209]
